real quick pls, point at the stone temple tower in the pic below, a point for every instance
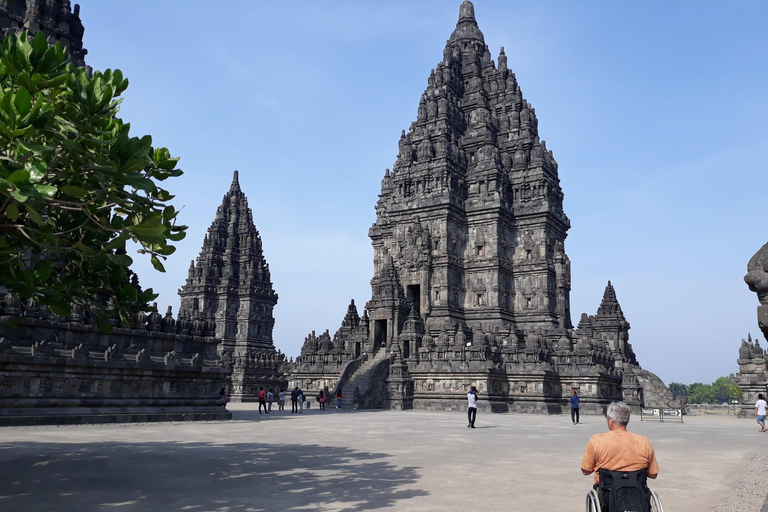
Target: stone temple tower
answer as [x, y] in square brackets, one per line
[230, 285]
[470, 220]
[471, 280]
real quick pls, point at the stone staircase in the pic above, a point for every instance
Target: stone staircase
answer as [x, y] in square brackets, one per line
[361, 379]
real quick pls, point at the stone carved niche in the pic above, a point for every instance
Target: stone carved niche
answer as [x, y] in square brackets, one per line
[415, 248]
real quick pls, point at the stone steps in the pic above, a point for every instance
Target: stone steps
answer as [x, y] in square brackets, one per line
[361, 378]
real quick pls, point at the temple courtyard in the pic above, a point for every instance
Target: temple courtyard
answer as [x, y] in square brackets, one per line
[365, 460]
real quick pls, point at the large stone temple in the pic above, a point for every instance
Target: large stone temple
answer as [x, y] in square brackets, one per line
[471, 279]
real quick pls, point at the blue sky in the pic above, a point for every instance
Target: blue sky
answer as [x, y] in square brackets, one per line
[656, 113]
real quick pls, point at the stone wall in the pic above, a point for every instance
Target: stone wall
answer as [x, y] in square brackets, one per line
[63, 370]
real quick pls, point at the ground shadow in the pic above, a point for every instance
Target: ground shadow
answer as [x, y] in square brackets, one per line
[161, 477]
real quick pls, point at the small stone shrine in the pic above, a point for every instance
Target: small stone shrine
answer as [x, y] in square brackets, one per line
[471, 280]
[753, 359]
[229, 287]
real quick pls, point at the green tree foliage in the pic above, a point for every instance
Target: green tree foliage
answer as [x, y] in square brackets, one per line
[726, 390]
[721, 391]
[74, 185]
[699, 393]
[677, 390]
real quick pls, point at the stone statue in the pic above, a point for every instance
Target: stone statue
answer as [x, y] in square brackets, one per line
[757, 280]
[757, 274]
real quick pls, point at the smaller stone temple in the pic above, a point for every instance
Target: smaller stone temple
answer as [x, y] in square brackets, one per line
[229, 287]
[753, 359]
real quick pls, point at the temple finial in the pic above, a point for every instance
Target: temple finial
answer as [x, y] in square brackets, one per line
[235, 182]
[467, 11]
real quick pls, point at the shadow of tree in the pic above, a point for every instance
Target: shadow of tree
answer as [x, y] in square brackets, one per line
[199, 477]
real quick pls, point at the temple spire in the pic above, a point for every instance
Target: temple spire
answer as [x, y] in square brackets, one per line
[231, 280]
[235, 187]
[467, 28]
[466, 11]
[610, 306]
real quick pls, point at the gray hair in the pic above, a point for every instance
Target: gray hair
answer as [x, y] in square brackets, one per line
[619, 413]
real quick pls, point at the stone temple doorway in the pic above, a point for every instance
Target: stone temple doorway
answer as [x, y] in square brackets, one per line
[379, 334]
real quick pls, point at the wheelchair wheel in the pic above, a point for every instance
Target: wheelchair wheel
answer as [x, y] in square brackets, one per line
[593, 503]
[655, 502]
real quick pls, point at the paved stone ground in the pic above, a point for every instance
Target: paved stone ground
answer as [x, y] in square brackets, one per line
[363, 460]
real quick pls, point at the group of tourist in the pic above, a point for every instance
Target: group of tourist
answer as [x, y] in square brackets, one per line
[298, 401]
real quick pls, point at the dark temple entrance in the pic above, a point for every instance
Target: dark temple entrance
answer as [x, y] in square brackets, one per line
[379, 334]
[413, 294]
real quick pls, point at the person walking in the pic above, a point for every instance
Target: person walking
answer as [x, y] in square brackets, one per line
[281, 400]
[263, 400]
[301, 400]
[472, 409]
[339, 397]
[321, 399]
[574, 407]
[760, 412]
[270, 399]
[223, 397]
[294, 398]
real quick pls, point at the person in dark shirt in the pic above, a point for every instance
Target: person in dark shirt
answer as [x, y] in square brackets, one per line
[294, 399]
[574, 407]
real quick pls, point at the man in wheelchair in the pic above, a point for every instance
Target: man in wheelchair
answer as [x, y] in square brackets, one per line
[621, 462]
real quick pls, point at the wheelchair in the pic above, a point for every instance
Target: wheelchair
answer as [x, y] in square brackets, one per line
[597, 499]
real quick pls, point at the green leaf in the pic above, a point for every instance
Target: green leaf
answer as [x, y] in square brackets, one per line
[75, 191]
[22, 100]
[37, 171]
[43, 269]
[85, 249]
[117, 242]
[12, 211]
[18, 195]
[18, 176]
[157, 264]
[33, 214]
[121, 259]
[150, 228]
[46, 190]
[127, 293]
[140, 182]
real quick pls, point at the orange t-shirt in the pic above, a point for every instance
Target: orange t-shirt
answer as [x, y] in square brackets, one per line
[619, 451]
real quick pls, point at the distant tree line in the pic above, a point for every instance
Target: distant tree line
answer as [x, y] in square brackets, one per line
[723, 390]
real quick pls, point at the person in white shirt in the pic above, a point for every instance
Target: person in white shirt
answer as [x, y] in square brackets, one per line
[472, 410]
[760, 412]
